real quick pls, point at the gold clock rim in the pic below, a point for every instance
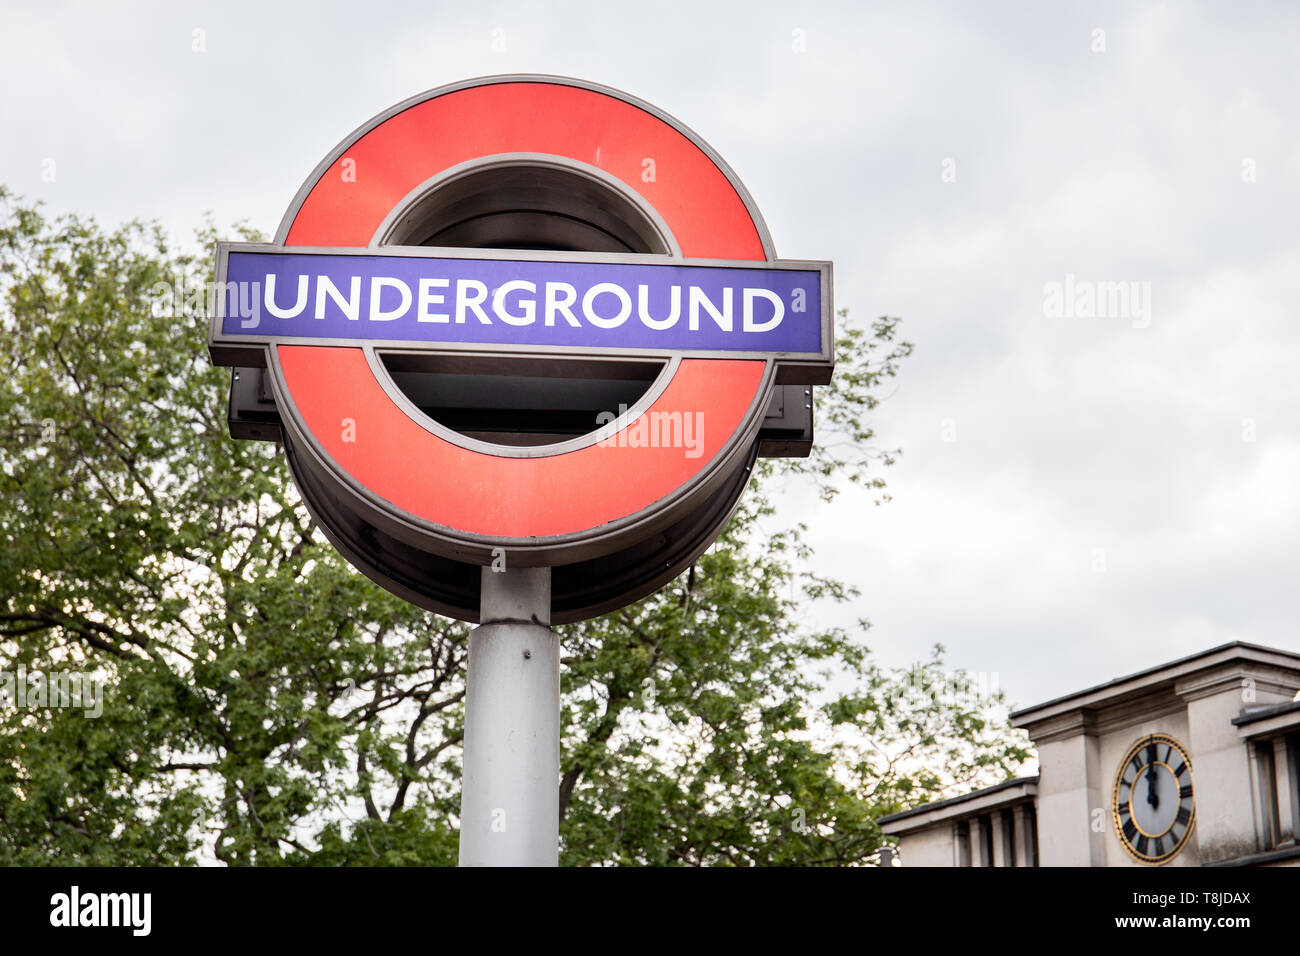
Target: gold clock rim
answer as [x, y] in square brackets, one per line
[1137, 745]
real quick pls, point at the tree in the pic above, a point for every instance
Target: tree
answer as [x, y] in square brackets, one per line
[265, 704]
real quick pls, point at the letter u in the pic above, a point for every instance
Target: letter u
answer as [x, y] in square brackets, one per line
[298, 306]
[643, 307]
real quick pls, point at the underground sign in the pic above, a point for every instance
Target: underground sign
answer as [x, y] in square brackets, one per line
[527, 321]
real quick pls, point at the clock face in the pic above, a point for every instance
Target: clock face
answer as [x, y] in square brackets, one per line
[1152, 803]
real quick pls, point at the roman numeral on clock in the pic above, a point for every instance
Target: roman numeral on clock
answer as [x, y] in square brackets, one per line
[1183, 815]
[1185, 791]
[1130, 831]
[1160, 847]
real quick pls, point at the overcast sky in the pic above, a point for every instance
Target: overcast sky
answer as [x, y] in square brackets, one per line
[1079, 495]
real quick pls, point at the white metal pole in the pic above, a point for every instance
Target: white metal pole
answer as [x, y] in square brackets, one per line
[510, 797]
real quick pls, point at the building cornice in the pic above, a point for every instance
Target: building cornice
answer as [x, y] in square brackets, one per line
[1188, 678]
[1237, 675]
[1280, 855]
[1259, 722]
[1004, 794]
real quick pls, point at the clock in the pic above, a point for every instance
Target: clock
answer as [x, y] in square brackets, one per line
[1152, 803]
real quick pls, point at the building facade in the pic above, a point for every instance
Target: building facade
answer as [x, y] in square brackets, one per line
[1192, 763]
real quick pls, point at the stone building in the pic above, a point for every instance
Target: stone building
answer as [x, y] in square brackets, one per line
[1192, 763]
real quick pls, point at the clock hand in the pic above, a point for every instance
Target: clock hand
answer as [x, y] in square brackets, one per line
[1152, 797]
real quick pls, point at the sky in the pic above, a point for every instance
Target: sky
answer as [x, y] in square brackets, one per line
[1083, 214]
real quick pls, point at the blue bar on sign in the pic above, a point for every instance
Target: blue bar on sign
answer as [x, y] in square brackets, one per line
[522, 302]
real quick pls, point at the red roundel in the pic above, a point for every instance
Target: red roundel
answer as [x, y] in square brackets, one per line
[458, 498]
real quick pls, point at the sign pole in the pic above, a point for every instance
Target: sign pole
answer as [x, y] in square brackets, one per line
[510, 801]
